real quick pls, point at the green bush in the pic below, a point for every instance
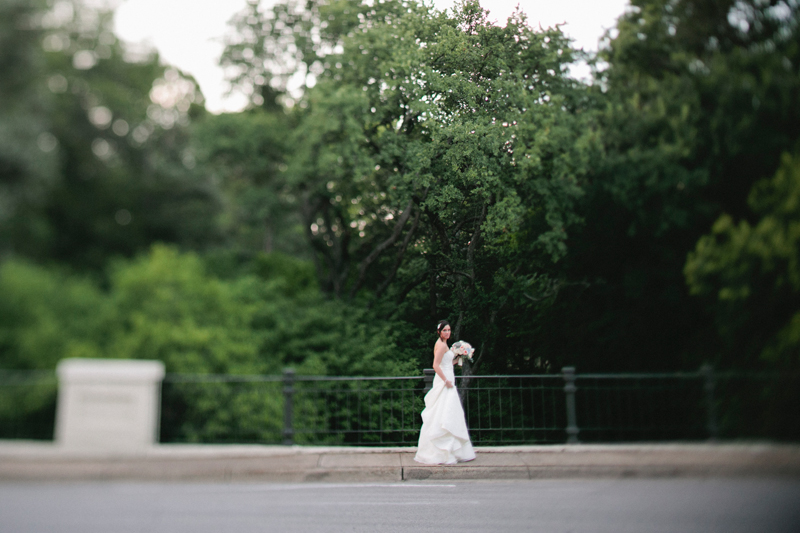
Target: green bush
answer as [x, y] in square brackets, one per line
[165, 305]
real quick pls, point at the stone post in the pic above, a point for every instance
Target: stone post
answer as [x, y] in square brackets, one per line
[569, 390]
[428, 375]
[108, 404]
[288, 407]
[709, 386]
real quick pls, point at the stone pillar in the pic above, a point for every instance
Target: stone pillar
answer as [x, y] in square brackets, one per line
[572, 418]
[108, 404]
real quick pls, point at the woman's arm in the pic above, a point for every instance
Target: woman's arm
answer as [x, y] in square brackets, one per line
[438, 352]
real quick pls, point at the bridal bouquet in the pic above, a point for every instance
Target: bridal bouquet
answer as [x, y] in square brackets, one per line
[462, 349]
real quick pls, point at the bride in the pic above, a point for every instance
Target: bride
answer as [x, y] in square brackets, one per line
[444, 438]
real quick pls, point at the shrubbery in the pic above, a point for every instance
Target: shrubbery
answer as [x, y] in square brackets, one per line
[165, 305]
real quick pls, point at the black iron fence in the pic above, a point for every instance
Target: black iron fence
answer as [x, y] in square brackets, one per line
[500, 410]
[291, 409]
[27, 404]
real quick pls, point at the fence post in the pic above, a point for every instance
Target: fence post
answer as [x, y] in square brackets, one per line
[427, 376]
[288, 391]
[569, 391]
[711, 409]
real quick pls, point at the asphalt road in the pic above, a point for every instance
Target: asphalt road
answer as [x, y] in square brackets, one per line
[596, 506]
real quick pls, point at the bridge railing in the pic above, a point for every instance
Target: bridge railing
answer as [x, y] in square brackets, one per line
[27, 404]
[500, 410]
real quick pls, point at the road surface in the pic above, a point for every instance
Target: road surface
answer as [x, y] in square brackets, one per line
[680, 505]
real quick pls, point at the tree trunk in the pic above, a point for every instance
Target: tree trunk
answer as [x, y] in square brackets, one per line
[465, 284]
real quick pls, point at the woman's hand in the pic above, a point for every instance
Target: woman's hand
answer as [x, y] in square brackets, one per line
[448, 384]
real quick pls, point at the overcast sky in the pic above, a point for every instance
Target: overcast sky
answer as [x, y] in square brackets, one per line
[188, 33]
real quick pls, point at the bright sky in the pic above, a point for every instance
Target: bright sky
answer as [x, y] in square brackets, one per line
[188, 33]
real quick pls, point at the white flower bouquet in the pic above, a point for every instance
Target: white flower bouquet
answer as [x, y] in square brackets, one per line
[462, 349]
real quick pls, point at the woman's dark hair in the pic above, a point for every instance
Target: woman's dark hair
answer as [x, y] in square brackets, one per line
[442, 324]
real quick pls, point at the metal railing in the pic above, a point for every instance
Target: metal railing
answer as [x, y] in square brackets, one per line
[515, 409]
[500, 410]
[27, 404]
[292, 409]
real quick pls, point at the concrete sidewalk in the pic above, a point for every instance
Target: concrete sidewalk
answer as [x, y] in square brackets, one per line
[32, 461]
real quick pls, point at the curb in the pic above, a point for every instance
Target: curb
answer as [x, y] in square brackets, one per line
[181, 463]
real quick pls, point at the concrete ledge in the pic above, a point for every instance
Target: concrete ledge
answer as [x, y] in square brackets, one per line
[35, 461]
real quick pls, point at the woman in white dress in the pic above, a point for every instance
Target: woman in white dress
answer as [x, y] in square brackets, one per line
[444, 438]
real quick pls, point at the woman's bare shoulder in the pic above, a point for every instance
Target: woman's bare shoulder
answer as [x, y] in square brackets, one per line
[439, 348]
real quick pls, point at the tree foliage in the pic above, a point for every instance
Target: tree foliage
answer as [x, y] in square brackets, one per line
[26, 171]
[699, 101]
[400, 165]
[750, 273]
[435, 149]
[167, 305]
[107, 134]
[245, 154]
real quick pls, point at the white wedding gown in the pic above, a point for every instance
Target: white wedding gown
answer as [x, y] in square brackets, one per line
[444, 438]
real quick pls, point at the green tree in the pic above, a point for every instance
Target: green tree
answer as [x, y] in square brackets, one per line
[271, 49]
[437, 161]
[167, 305]
[749, 274]
[245, 154]
[442, 150]
[28, 163]
[116, 137]
[46, 315]
[699, 104]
